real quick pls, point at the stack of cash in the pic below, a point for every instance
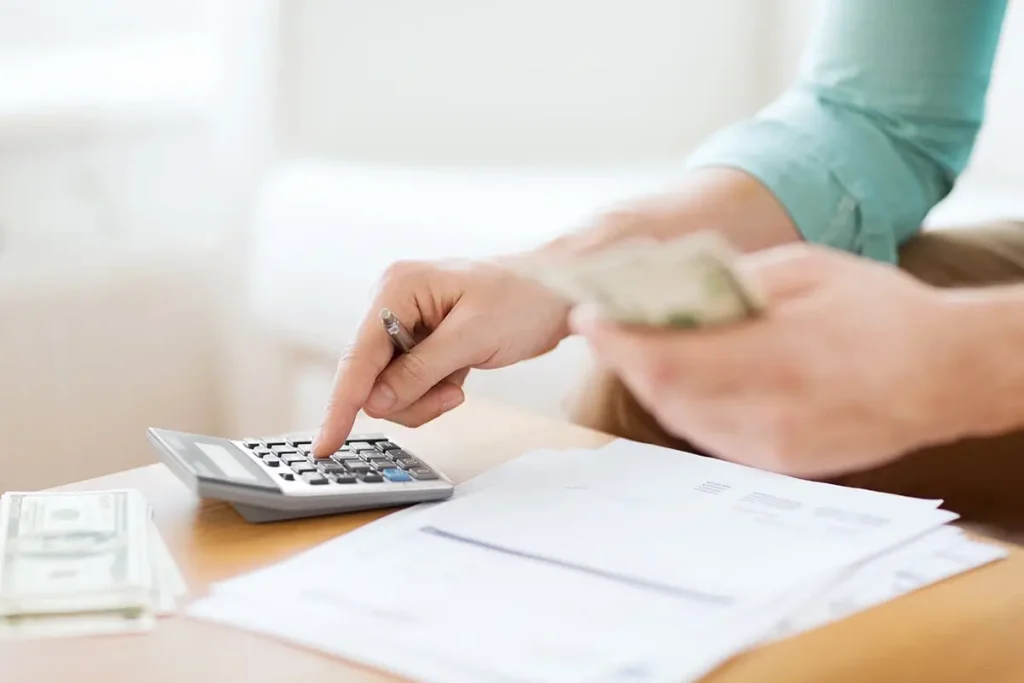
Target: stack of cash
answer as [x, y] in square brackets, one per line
[688, 282]
[75, 564]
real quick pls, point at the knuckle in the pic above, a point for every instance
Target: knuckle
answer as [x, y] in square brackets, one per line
[621, 217]
[413, 369]
[349, 355]
[401, 271]
[659, 373]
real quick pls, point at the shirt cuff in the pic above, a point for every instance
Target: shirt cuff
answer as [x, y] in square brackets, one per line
[791, 166]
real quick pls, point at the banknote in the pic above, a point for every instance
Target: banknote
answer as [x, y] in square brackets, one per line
[40, 626]
[687, 282]
[73, 552]
[81, 564]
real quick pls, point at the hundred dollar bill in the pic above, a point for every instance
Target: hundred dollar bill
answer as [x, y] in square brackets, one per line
[40, 626]
[168, 583]
[74, 552]
[688, 282]
[82, 564]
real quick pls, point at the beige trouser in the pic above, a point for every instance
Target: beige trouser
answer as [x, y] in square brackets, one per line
[981, 479]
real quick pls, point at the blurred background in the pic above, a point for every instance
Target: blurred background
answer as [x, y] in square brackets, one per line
[197, 195]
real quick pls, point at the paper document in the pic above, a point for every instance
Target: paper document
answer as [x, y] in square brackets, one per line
[640, 564]
[686, 523]
[495, 617]
[938, 555]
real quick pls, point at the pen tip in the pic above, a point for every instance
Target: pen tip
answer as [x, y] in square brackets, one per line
[385, 315]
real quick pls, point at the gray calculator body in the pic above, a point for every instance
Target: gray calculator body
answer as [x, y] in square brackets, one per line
[275, 479]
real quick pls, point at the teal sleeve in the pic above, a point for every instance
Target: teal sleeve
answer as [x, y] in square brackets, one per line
[880, 123]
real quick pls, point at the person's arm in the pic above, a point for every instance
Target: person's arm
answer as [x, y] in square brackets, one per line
[856, 153]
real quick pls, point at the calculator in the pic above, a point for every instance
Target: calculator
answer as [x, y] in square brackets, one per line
[278, 478]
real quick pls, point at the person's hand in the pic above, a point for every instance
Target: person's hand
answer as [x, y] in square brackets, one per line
[852, 364]
[468, 314]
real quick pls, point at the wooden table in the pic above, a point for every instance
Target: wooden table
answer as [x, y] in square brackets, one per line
[968, 628]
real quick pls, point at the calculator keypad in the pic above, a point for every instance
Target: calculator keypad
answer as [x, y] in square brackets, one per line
[357, 462]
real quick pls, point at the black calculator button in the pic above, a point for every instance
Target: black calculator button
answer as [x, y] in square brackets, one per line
[288, 476]
[314, 478]
[381, 462]
[301, 467]
[332, 468]
[421, 473]
[371, 478]
[358, 467]
[262, 452]
[252, 443]
[271, 444]
[281, 450]
[360, 446]
[293, 457]
[385, 446]
[409, 463]
[344, 478]
[299, 443]
[271, 461]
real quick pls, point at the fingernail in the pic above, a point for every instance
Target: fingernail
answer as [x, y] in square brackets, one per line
[381, 398]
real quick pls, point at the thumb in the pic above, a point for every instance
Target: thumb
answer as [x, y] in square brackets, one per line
[782, 273]
[453, 346]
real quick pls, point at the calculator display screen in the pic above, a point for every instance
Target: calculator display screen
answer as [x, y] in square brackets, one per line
[226, 462]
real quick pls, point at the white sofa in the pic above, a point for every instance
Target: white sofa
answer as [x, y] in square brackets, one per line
[323, 232]
[96, 345]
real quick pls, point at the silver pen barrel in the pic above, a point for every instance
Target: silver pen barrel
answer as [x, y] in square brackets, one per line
[400, 336]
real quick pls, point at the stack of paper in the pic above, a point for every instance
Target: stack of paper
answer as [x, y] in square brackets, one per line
[628, 563]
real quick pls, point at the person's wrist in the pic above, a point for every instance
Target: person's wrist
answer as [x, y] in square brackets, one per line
[982, 369]
[515, 264]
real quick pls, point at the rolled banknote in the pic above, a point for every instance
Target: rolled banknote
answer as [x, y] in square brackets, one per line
[688, 282]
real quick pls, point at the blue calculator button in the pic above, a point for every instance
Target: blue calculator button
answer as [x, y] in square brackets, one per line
[395, 474]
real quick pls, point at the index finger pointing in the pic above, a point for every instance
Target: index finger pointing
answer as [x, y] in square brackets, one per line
[360, 364]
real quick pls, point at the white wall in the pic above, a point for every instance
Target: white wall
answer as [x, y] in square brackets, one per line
[520, 81]
[561, 82]
[999, 154]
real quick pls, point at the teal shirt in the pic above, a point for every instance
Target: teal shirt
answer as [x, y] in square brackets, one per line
[880, 123]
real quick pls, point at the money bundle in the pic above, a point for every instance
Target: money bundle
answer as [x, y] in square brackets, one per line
[688, 282]
[74, 564]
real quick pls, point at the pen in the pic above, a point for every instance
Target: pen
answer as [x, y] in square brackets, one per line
[400, 336]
